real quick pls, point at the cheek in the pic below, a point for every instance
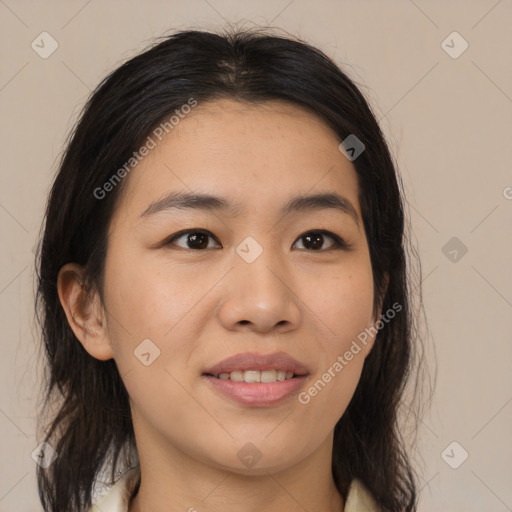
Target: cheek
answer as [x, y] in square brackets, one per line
[146, 319]
[343, 304]
[343, 311]
[149, 301]
[326, 397]
[162, 304]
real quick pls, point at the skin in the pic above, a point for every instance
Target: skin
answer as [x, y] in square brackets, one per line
[199, 306]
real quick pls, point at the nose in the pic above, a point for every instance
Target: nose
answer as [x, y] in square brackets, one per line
[259, 297]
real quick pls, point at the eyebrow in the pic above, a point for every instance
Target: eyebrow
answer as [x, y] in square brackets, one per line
[211, 203]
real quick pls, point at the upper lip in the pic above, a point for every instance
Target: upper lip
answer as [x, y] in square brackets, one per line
[261, 362]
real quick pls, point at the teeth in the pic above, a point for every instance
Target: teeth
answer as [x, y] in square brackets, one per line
[269, 376]
[237, 376]
[252, 376]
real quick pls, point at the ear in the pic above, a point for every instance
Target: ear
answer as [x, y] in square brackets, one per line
[84, 312]
[375, 318]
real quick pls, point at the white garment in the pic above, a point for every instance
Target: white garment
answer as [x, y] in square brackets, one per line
[118, 497]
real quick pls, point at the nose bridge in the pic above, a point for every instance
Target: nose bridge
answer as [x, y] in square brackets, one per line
[259, 291]
[258, 269]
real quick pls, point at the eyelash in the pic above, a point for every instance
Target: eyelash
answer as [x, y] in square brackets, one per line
[339, 243]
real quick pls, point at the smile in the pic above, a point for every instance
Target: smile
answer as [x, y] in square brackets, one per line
[252, 376]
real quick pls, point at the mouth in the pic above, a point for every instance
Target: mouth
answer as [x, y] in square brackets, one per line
[254, 376]
[257, 380]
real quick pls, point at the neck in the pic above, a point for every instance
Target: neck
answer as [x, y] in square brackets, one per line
[172, 481]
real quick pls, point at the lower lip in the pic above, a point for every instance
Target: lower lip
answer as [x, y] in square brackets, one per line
[257, 394]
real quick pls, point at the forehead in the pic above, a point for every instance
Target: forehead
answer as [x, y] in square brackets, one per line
[257, 155]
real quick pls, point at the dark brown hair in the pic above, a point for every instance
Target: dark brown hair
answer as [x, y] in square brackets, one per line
[90, 422]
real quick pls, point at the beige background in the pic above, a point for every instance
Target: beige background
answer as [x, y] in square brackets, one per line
[449, 123]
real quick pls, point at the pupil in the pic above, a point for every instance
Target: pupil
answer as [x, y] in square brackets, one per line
[192, 238]
[317, 240]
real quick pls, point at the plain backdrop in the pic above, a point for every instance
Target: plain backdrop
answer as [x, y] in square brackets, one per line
[446, 110]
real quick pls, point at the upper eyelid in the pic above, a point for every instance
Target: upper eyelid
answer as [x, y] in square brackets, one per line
[168, 240]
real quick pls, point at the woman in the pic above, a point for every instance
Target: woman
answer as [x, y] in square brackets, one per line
[223, 288]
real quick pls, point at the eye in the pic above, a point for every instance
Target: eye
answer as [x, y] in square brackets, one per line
[197, 239]
[194, 238]
[315, 240]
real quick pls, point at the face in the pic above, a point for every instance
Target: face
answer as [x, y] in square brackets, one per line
[186, 288]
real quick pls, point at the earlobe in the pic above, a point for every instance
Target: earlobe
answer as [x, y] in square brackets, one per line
[84, 312]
